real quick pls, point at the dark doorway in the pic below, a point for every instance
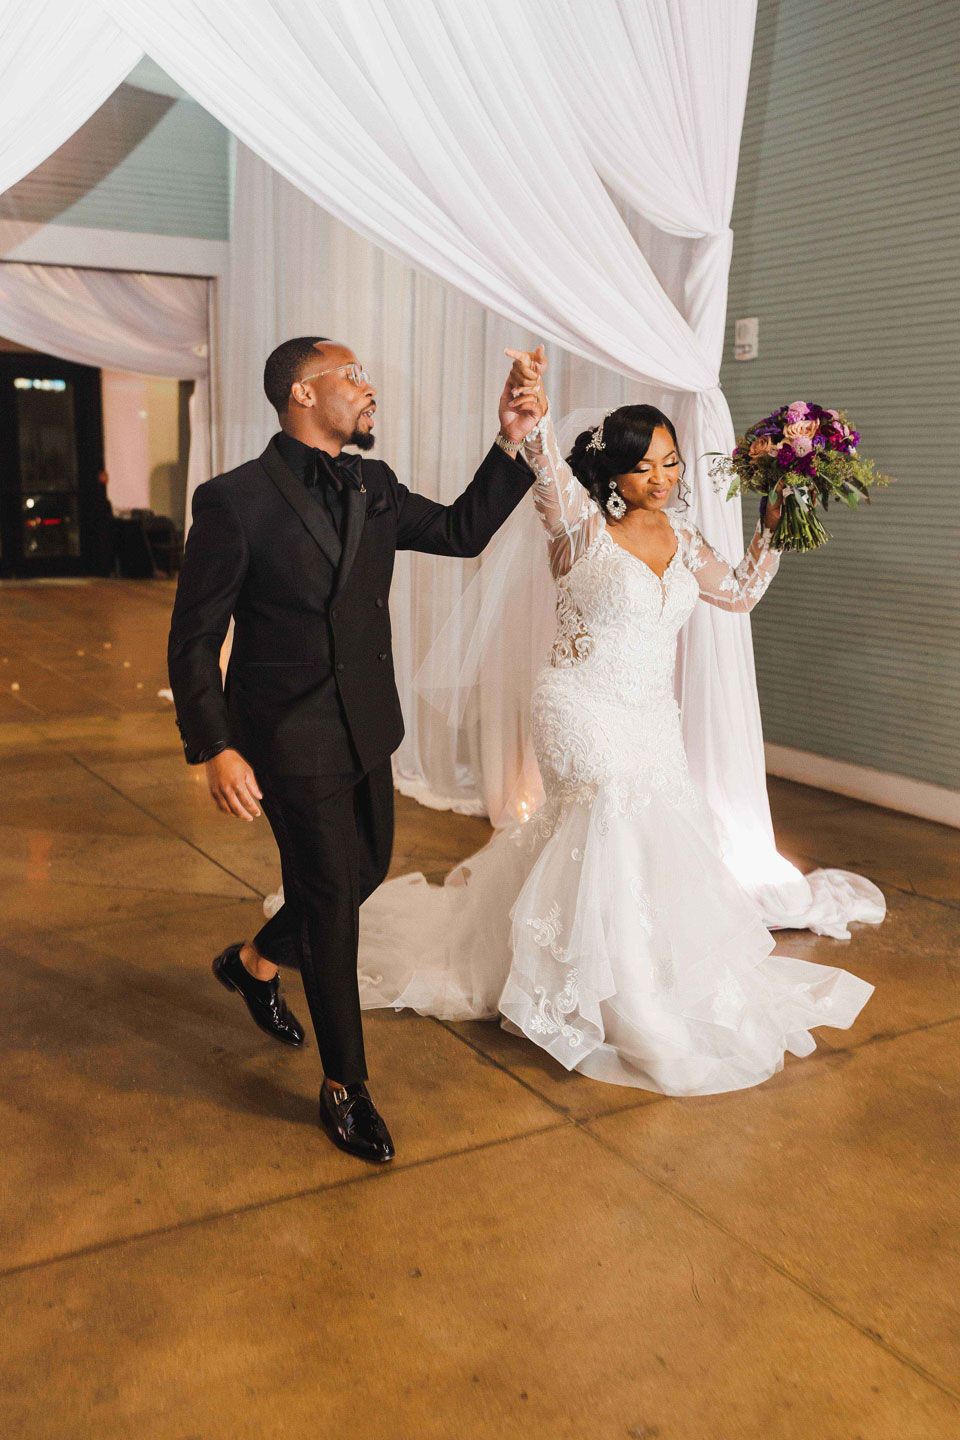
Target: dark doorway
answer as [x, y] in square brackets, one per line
[53, 508]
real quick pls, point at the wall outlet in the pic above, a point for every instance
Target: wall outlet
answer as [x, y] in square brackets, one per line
[746, 338]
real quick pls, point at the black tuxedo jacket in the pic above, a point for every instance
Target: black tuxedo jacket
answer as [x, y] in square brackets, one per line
[310, 688]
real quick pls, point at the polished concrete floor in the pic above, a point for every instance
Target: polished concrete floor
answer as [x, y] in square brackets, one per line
[185, 1257]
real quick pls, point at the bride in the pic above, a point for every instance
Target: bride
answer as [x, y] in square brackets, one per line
[606, 927]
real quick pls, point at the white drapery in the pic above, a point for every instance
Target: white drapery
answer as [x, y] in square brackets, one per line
[117, 320]
[59, 61]
[448, 134]
[436, 131]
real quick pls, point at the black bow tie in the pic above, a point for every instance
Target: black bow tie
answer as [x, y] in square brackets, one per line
[335, 471]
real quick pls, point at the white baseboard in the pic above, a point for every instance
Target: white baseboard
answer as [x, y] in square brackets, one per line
[896, 792]
[111, 249]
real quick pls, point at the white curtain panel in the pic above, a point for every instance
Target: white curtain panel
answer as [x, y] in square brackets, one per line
[659, 107]
[117, 320]
[59, 61]
[435, 130]
[659, 100]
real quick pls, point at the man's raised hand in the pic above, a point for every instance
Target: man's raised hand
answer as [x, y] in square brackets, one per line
[528, 365]
[523, 400]
[233, 785]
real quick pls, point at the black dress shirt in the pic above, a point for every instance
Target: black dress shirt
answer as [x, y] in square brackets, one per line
[324, 474]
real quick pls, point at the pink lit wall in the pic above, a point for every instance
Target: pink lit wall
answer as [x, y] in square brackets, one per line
[126, 440]
[145, 445]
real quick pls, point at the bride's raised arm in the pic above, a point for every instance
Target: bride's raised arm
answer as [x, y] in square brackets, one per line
[730, 587]
[570, 516]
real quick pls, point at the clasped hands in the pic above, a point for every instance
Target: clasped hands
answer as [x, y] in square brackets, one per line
[523, 401]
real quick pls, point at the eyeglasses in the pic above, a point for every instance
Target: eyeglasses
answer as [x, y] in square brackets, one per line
[355, 373]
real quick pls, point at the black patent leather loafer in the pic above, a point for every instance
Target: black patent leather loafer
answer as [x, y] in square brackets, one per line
[352, 1121]
[263, 999]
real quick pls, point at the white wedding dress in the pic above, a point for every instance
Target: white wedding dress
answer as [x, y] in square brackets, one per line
[606, 927]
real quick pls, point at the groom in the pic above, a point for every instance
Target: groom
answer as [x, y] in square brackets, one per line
[298, 546]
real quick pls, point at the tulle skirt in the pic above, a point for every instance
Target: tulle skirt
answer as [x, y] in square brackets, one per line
[608, 931]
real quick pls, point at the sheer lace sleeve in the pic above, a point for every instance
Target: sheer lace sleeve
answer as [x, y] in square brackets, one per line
[722, 584]
[570, 516]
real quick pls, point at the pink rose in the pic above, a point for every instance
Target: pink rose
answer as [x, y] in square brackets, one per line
[761, 446]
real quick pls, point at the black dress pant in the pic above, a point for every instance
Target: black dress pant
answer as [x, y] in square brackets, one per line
[335, 837]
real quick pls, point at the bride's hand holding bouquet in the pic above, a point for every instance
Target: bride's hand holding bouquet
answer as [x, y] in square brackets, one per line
[806, 456]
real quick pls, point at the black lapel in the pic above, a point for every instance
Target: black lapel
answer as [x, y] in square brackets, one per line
[355, 507]
[310, 510]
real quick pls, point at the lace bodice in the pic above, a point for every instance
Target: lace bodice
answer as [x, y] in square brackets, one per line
[615, 615]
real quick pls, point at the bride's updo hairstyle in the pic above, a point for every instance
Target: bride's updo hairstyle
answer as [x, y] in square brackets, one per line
[627, 433]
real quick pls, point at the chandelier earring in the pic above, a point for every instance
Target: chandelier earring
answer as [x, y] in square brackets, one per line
[683, 489]
[616, 505]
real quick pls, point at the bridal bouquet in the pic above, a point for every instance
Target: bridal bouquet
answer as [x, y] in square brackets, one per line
[813, 452]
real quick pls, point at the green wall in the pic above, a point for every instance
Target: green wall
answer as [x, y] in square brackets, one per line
[846, 248]
[147, 161]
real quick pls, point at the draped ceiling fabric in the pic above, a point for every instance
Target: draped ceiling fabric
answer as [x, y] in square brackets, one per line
[427, 130]
[117, 320]
[451, 135]
[59, 61]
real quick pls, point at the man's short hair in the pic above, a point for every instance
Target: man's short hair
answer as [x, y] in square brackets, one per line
[285, 366]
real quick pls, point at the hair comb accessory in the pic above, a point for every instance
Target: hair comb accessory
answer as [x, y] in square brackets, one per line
[597, 442]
